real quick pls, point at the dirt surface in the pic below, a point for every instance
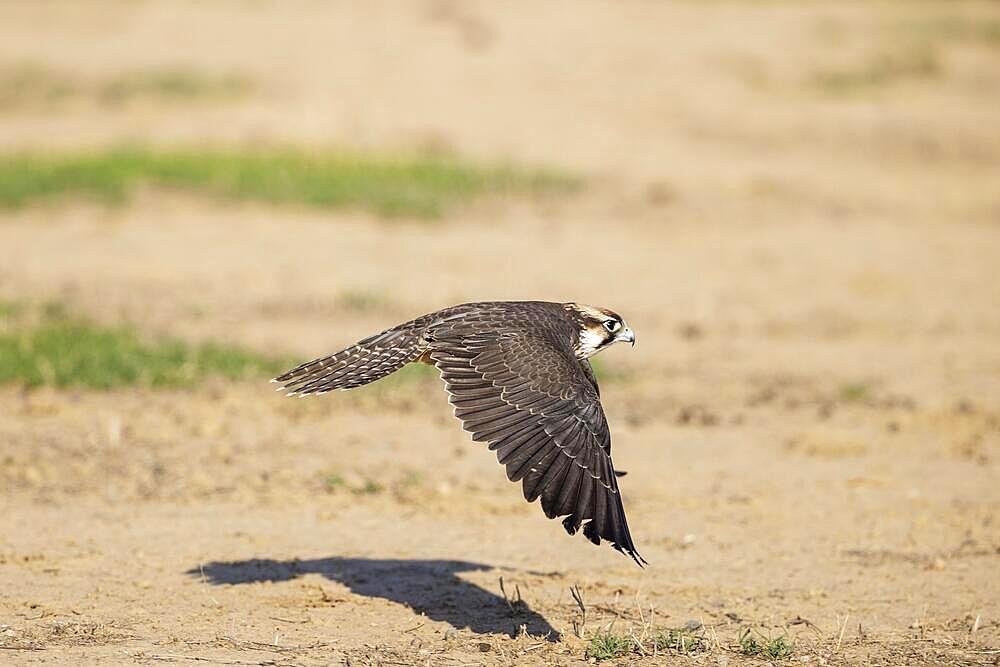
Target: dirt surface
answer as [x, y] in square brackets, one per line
[810, 421]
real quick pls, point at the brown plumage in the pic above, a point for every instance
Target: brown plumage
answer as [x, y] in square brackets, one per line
[517, 375]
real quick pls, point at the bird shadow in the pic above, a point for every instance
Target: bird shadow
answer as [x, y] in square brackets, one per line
[429, 587]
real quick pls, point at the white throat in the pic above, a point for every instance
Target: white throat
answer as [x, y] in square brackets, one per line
[590, 341]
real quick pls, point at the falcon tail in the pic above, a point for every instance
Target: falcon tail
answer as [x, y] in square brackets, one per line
[366, 361]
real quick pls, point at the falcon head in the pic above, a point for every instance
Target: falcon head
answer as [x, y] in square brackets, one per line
[599, 328]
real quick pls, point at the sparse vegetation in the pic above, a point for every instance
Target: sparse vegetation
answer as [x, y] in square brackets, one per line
[854, 392]
[25, 84]
[912, 52]
[28, 85]
[406, 485]
[171, 84]
[915, 62]
[369, 487]
[681, 640]
[362, 301]
[333, 482]
[403, 486]
[415, 185]
[606, 645]
[980, 30]
[756, 645]
[60, 351]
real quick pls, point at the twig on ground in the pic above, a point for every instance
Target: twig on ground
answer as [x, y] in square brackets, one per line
[840, 639]
[798, 620]
[170, 657]
[512, 602]
[578, 597]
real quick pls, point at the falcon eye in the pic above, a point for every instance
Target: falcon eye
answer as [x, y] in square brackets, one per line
[612, 325]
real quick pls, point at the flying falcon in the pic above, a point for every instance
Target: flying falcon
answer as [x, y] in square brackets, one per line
[517, 375]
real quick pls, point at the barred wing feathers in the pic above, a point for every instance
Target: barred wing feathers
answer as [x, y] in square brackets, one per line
[365, 361]
[536, 408]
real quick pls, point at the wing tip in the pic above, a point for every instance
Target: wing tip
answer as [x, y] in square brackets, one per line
[590, 532]
[628, 549]
[634, 555]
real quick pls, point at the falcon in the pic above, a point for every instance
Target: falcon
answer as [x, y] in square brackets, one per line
[518, 376]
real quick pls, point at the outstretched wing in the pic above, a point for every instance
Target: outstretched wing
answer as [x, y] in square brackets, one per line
[537, 408]
[364, 362]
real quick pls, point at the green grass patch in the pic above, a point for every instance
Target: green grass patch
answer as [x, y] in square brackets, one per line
[368, 487]
[60, 351]
[9, 311]
[681, 640]
[360, 486]
[334, 482]
[605, 645]
[422, 186]
[756, 645]
[854, 392]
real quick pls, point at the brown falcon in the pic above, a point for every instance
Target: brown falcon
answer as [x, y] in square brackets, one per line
[517, 375]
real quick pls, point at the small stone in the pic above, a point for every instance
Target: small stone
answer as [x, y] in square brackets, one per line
[692, 625]
[484, 647]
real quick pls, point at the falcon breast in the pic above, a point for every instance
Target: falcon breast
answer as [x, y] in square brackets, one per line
[517, 375]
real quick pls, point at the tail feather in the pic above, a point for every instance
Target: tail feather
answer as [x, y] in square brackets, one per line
[366, 361]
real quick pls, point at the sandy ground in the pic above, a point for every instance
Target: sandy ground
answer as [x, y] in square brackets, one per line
[811, 419]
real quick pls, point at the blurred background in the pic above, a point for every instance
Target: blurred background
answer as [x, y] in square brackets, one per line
[794, 204]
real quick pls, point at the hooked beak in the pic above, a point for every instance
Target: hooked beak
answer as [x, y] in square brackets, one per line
[626, 336]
